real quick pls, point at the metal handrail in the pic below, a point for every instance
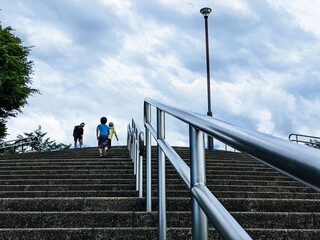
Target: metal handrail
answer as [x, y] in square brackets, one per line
[16, 143]
[294, 137]
[135, 144]
[297, 161]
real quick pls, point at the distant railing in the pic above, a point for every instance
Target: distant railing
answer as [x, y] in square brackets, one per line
[17, 145]
[305, 139]
[296, 161]
[135, 144]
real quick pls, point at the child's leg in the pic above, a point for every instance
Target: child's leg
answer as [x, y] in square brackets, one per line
[105, 149]
[75, 142]
[105, 146]
[100, 147]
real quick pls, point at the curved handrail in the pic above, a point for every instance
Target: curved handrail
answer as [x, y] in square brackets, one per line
[299, 162]
[294, 137]
[16, 143]
[135, 144]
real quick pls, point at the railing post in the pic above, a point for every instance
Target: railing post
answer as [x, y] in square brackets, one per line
[128, 137]
[162, 219]
[136, 149]
[133, 151]
[137, 160]
[141, 151]
[198, 176]
[147, 119]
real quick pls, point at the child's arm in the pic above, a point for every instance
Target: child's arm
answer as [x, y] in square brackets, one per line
[116, 136]
[97, 133]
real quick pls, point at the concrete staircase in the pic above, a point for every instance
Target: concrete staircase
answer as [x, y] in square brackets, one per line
[76, 195]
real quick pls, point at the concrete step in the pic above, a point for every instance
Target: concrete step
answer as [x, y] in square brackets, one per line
[73, 204]
[72, 187]
[42, 184]
[115, 161]
[68, 172]
[245, 194]
[226, 182]
[226, 169]
[38, 184]
[76, 195]
[63, 181]
[85, 219]
[214, 173]
[47, 166]
[76, 167]
[79, 193]
[146, 233]
[257, 177]
[129, 170]
[68, 154]
[173, 204]
[87, 175]
[111, 233]
[103, 192]
[114, 182]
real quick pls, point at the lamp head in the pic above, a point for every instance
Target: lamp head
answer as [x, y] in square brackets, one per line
[205, 11]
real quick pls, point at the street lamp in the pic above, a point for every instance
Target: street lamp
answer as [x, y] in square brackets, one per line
[205, 12]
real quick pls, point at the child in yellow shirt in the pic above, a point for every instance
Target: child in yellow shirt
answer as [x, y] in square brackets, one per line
[112, 131]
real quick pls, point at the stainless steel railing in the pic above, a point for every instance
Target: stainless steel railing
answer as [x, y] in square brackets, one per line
[297, 161]
[135, 144]
[16, 144]
[305, 139]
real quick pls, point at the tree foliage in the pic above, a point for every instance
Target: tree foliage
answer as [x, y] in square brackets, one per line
[42, 144]
[15, 80]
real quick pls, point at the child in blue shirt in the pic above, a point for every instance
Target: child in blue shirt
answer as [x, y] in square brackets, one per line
[102, 133]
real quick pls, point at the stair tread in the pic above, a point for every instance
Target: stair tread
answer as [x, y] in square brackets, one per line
[54, 187]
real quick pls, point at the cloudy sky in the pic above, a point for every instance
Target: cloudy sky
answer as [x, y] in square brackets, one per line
[96, 58]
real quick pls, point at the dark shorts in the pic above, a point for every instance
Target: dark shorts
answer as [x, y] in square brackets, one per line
[77, 137]
[109, 143]
[103, 141]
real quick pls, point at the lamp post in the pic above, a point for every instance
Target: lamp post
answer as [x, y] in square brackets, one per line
[205, 12]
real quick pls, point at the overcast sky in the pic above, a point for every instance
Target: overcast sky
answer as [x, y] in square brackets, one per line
[95, 58]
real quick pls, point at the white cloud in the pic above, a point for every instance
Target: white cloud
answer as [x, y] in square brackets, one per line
[265, 122]
[47, 37]
[102, 58]
[119, 6]
[306, 13]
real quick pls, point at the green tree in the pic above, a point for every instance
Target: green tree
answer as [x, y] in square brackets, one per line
[42, 144]
[15, 80]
